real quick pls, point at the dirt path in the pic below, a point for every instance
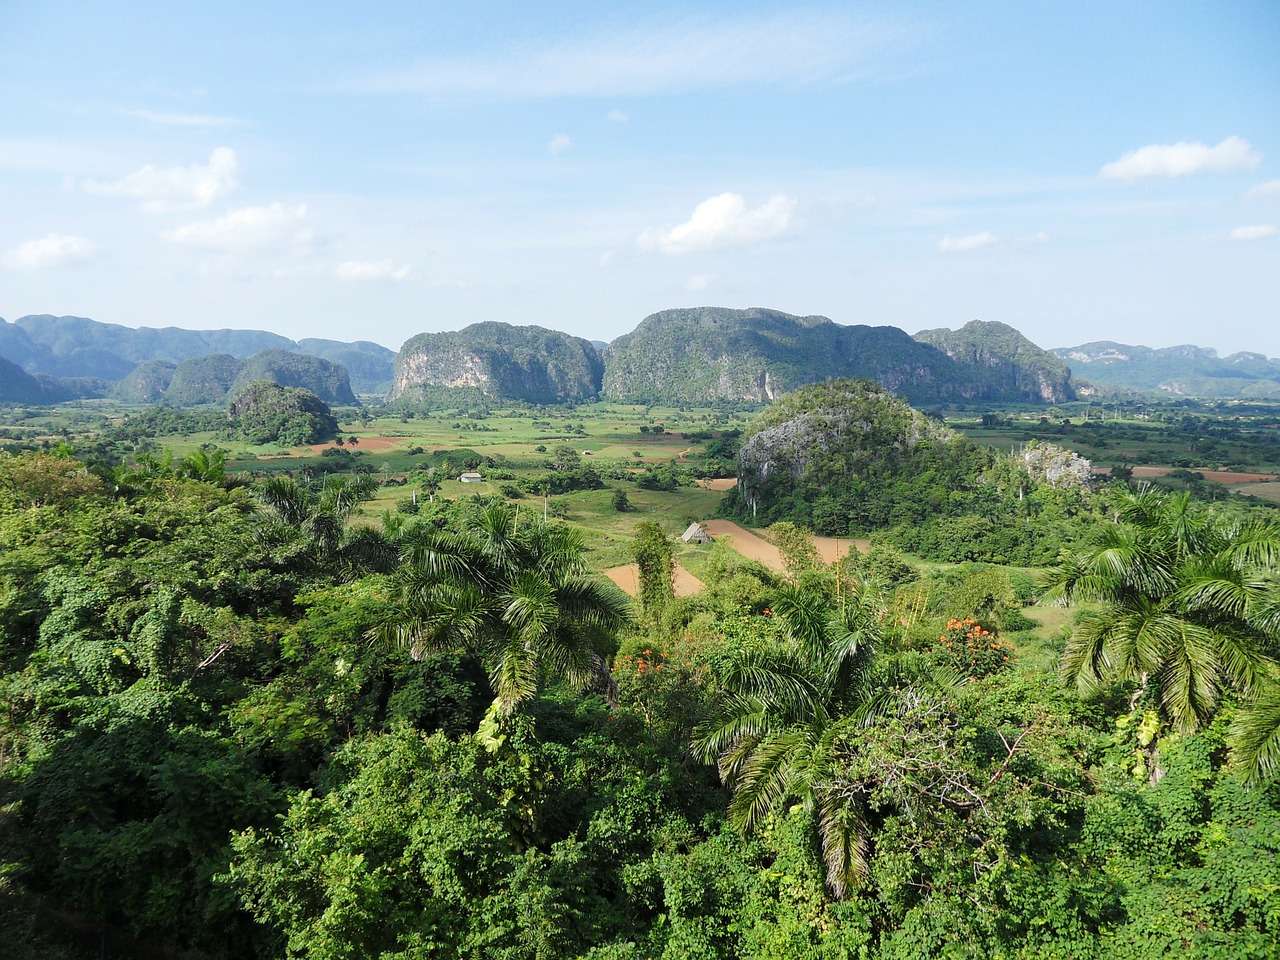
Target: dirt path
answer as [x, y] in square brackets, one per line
[627, 577]
[1217, 476]
[719, 483]
[755, 547]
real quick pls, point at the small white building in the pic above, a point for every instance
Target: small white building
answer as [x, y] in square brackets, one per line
[471, 478]
[696, 533]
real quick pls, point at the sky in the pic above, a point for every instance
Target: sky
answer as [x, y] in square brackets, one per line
[1081, 171]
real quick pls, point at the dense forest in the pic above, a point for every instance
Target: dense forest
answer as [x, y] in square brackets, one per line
[239, 724]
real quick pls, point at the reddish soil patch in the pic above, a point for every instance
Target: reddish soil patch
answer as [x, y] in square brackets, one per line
[719, 483]
[372, 444]
[1217, 476]
[627, 577]
[831, 549]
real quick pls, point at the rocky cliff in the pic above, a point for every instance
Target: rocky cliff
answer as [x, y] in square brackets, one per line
[502, 361]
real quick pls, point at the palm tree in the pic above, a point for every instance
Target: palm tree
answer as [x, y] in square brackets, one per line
[320, 511]
[784, 708]
[1187, 609]
[208, 464]
[519, 598]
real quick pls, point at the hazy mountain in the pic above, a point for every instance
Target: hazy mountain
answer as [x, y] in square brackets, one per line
[371, 366]
[714, 353]
[1184, 370]
[146, 383]
[80, 347]
[500, 360]
[1002, 356]
[18, 386]
[202, 380]
[326, 380]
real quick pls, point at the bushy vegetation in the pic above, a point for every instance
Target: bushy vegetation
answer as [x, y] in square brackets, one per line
[241, 721]
[264, 412]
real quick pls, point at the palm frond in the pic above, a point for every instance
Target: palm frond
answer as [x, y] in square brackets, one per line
[1255, 736]
[846, 842]
[766, 776]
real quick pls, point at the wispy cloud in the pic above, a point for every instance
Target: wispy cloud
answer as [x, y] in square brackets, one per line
[278, 226]
[794, 48]
[699, 281]
[617, 116]
[1270, 188]
[181, 119]
[724, 220]
[175, 188]
[371, 270]
[1257, 231]
[559, 144]
[1183, 159]
[52, 250]
[967, 242]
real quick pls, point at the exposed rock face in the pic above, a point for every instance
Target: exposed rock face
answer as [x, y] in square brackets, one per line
[708, 354]
[502, 361]
[1012, 367]
[1056, 466]
[858, 418]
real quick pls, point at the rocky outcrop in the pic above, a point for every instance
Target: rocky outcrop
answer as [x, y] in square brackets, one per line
[1003, 363]
[502, 361]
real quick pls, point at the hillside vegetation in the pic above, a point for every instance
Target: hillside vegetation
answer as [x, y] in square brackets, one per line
[265, 412]
[849, 458]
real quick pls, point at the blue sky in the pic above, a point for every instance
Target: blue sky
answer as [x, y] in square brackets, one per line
[1079, 171]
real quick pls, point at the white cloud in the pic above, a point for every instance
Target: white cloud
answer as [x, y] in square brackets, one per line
[967, 242]
[1269, 189]
[180, 119]
[277, 225]
[52, 250]
[699, 281]
[371, 270]
[691, 54]
[617, 116]
[1257, 231]
[606, 258]
[559, 144]
[175, 188]
[1183, 159]
[724, 220]
[1041, 237]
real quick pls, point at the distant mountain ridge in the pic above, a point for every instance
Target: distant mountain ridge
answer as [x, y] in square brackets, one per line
[80, 347]
[1184, 370]
[690, 355]
[705, 354]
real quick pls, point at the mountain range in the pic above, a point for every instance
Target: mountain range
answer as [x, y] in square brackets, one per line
[80, 347]
[1181, 371]
[696, 355]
